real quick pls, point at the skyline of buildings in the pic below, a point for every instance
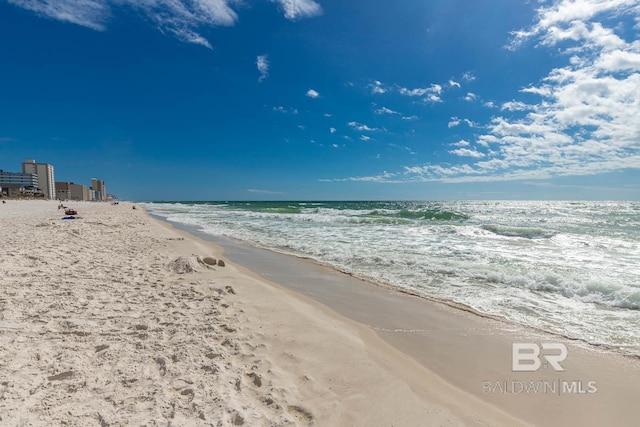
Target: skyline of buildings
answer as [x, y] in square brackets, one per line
[37, 180]
[45, 174]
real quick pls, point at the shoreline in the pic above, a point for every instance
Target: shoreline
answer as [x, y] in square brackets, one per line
[616, 370]
[445, 392]
[113, 318]
[228, 242]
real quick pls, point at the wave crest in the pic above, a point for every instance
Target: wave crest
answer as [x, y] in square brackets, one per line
[524, 232]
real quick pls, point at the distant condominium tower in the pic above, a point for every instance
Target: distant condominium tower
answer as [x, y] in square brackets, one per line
[16, 178]
[98, 186]
[46, 180]
[15, 184]
[71, 191]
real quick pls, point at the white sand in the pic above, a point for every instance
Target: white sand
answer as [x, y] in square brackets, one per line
[100, 325]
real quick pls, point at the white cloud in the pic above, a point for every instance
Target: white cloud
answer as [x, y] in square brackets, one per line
[365, 137]
[385, 176]
[295, 9]
[433, 98]
[281, 109]
[564, 19]
[377, 87]
[413, 92]
[87, 13]
[486, 140]
[468, 76]
[594, 35]
[435, 89]
[516, 106]
[312, 94]
[262, 62]
[461, 143]
[430, 94]
[619, 60]
[360, 127]
[453, 83]
[333, 130]
[182, 18]
[466, 152]
[385, 110]
[470, 97]
[453, 122]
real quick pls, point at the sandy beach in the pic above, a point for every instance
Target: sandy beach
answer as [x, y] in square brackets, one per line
[117, 318]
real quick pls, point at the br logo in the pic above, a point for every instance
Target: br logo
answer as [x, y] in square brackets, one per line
[528, 356]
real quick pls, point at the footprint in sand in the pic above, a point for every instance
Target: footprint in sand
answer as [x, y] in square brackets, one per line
[162, 365]
[300, 414]
[256, 379]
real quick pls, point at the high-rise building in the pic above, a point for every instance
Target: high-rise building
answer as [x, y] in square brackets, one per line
[98, 186]
[46, 179]
[63, 192]
[71, 191]
[24, 179]
[15, 184]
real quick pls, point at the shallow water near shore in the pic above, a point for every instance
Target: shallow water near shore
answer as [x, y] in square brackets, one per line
[569, 268]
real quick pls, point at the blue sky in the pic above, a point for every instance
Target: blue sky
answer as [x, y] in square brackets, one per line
[326, 99]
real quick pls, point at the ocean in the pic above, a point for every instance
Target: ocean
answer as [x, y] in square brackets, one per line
[569, 268]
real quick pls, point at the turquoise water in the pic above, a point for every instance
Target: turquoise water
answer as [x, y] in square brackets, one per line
[570, 268]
